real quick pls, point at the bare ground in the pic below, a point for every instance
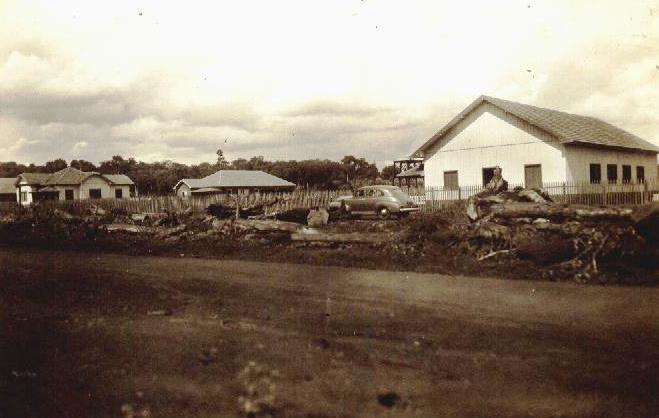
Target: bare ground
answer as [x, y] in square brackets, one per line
[77, 340]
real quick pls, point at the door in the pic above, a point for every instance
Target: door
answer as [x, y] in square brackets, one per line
[533, 176]
[488, 173]
[358, 202]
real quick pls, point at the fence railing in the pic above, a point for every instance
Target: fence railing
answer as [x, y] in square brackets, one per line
[603, 194]
[431, 199]
[271, 202]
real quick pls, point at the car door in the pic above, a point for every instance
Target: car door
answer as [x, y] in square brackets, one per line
[357, 202]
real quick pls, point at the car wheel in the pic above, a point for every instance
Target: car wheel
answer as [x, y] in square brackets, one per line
[384, 213]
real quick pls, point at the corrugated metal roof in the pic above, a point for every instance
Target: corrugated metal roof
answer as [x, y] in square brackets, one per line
[7, 185]
[34, 178]
[238, 178]
[566, 127]
[206, 190]
[69, 175]
[118, 179]
[412, 172]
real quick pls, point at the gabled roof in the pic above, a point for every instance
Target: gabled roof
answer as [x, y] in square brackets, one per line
[32, 178]
[68, 176]
[7, 185]
[119, 179]
[566, 127]
[237, 178]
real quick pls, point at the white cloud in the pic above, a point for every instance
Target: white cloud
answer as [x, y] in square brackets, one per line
[301, 79]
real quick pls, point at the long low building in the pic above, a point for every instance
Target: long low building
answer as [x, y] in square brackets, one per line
[71, 184]
[241, 182]
[533, 146]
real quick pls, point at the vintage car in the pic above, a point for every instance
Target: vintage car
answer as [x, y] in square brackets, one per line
[383, 201]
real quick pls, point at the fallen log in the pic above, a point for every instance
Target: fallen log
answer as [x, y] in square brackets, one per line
[268, 225]
[556, 211]
[354, 237]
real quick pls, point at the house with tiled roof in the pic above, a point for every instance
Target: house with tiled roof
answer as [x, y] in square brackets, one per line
[233, 182]
[533, 146]
[71, 184]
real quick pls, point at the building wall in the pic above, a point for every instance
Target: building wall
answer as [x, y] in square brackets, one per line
[97, 182]
[489, 137]
[183, 190]
[579, 159]
[29, 190]
[8, 197]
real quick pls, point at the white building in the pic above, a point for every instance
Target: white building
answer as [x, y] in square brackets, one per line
[533, 146]
[71, 184]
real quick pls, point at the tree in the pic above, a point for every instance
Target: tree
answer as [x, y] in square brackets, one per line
[222, 163]
[83, 165]
[55, 165]
[388, 173]
[358, 170]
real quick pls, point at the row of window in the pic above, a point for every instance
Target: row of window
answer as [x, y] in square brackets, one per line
[612, 173]
[533, 175]
[93, 194]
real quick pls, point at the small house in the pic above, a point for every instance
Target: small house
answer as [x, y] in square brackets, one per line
[71, 184]
[241, 182]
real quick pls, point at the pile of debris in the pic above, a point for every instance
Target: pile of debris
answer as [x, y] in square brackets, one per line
[565, 240]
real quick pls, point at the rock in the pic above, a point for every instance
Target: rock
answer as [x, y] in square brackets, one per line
[388, 399]
[317, 217]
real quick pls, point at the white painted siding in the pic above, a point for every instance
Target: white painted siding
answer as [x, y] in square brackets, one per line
[97, 182]
[579, 159]
[488, 137]
[25, 188]
[183, 190]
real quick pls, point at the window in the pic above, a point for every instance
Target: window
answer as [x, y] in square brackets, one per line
[23, 196]
[488, 173]
[68, 194]
[626, 173]
[118, 193]
[595, 173]
[95, 193]
[451, 180]
[533, 176]
[640, 174]
[612, 173]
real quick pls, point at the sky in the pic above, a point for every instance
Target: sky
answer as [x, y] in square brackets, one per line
[306, 79]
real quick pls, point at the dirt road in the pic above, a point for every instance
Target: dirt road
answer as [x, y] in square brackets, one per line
[89, 334]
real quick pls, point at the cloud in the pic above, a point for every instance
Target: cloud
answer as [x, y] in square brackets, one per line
[79, 147]
[179, 82]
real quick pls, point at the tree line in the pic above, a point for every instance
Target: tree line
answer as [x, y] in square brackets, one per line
[158, 178]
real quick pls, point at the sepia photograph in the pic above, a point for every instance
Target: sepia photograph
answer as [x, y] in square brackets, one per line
[329, 209]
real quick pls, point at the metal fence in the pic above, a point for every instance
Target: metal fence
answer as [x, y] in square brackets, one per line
[604, 194]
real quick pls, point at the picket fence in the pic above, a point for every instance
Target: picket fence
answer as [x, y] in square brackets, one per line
[271, 202]
[434, 199]
[430, 199]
